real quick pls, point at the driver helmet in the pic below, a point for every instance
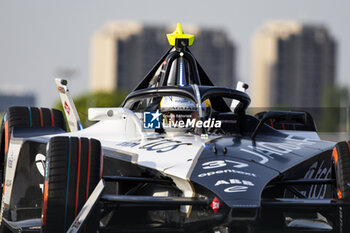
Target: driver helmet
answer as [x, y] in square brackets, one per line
[175, 109]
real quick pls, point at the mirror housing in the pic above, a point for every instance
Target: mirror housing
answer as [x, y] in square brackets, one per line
[278, 116]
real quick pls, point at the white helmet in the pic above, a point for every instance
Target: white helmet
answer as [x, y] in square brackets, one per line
[177, 111]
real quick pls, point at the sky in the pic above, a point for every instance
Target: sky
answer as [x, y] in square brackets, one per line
[38, 38]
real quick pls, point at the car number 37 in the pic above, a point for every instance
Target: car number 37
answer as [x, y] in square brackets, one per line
[223, 163]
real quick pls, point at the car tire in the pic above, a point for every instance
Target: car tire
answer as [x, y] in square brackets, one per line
[341, 162]
[28, 117]
[25, 117]
[73, 169]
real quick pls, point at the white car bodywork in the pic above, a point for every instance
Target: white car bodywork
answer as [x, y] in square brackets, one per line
[120, 130]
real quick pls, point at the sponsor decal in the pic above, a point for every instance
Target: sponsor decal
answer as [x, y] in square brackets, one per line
[128, 144]
[10, 161]
[164, 145]
[215, 204]
[61, 90]
[151, 120]
[234, 181]
[317, 171]
[263, 160]
[77, 224]
[66, 107]
[223, 163]
[218, 172]
[265, 150]
[240, 185]
[236, 189]
[40, 162]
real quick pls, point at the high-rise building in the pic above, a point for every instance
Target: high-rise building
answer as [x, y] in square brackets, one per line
[15, 96]
[293, 63]
[123, 53]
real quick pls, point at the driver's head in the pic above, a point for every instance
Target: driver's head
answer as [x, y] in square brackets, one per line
[175, 109]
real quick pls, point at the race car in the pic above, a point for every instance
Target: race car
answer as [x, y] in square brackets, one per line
[179, 155]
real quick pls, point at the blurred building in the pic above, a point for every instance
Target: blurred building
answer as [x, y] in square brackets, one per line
[13, 96]
[293, 63]
[123, 53]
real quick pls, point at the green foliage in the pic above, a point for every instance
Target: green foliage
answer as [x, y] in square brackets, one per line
[335, 101]
[92, 100]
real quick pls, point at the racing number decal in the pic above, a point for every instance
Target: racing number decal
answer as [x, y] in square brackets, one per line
[239, 185]
[223, 163]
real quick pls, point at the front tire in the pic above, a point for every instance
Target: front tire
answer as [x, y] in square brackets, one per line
[341, 162]
[24, 117]
[73, 170]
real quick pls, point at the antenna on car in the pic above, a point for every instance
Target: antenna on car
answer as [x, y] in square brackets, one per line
[187, 65]
[180, 57]
[179, 39]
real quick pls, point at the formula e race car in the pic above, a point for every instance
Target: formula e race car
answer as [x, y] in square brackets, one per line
[179, 155]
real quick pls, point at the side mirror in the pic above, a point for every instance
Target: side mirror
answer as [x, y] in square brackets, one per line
[300, 117]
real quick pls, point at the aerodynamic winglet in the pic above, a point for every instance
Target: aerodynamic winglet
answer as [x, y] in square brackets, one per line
[68, 105]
